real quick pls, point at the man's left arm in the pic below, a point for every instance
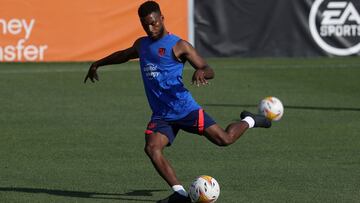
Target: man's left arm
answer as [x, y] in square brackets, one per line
[183, 50]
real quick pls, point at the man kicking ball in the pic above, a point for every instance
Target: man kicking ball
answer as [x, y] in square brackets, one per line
[162, 57]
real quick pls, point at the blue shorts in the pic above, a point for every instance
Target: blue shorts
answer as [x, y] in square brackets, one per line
[195, 122]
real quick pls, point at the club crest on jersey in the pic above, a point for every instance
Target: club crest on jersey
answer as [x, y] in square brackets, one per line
[161, 51]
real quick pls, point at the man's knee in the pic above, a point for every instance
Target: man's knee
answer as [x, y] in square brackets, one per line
[155, 143]
[222, 139]
[225, 141]
[152, 150]
[149, 149]
[218, 136]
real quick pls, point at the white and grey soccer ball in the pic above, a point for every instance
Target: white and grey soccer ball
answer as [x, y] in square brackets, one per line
[204, 189]
[272, 108]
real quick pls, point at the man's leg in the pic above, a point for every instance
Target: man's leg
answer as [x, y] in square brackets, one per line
[222, 137]
[233, 131]
[155, 144]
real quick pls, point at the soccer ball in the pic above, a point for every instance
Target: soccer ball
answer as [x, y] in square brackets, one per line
[204, 189]
[272, 108]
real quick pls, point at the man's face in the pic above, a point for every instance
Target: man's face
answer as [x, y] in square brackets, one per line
[153, 25]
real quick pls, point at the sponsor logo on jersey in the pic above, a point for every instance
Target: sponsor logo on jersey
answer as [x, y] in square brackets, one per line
[151, 71]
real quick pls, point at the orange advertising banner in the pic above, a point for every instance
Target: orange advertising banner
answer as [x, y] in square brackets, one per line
[77, 30]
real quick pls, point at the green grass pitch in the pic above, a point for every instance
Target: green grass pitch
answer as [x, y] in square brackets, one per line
[65, 141]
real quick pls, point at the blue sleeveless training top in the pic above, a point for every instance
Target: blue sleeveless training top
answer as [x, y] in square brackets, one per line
[162, 76]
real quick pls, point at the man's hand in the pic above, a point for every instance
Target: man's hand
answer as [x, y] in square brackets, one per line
[92, 73]
[198, 78]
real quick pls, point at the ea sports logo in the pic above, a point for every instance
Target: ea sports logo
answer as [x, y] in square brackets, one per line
[335, 26]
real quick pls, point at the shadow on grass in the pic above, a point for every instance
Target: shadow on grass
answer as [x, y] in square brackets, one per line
[289, 107]
[128, 196]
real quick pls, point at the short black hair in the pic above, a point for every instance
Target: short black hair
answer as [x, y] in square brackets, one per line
[148, 7]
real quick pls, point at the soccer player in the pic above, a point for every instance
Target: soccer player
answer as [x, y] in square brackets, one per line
[162, 56]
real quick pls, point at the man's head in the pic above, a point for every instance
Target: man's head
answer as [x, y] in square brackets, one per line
[151, 19]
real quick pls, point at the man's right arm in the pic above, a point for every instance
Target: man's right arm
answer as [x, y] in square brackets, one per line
[114, 58]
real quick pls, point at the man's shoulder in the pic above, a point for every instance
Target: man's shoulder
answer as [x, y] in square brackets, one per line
[138, 41]
[174, 35]
[182, 45]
